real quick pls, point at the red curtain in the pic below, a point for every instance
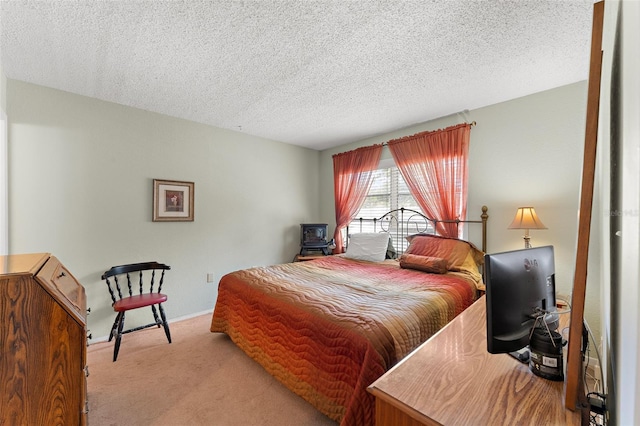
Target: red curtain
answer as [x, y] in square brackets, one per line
[352, 177]
[435, 167]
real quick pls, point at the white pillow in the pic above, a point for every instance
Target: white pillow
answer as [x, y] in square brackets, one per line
[368, 246]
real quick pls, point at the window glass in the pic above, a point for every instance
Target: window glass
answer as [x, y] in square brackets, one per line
[388, 192]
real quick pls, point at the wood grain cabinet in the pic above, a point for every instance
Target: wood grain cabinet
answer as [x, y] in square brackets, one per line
[43, 346]
[451, 379]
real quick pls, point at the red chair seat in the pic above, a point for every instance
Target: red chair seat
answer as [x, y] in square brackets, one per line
[138, 301]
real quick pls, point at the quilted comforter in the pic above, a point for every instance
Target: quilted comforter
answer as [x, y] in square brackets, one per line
[328, 328]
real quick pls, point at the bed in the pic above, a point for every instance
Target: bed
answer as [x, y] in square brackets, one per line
[329, 327]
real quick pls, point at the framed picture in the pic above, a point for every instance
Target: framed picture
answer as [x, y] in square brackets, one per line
[172, 201]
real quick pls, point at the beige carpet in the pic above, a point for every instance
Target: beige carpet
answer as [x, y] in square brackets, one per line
[201, 378]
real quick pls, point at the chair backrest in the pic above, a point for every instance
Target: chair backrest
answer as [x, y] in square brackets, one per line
[134, 269]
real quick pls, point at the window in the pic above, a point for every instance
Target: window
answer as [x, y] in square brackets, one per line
[388, 192]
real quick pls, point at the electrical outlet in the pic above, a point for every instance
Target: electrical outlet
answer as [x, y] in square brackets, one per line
[209, 277]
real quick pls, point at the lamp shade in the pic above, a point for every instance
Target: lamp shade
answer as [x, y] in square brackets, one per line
[526, 218]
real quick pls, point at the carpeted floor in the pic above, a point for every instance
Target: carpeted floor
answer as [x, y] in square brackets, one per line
[201, 378]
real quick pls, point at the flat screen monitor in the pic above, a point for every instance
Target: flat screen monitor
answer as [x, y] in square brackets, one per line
[520, 295]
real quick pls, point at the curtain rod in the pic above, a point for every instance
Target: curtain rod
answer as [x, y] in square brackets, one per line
[472, 124]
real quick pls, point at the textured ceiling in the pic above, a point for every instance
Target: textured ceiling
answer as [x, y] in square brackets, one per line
[310, 73]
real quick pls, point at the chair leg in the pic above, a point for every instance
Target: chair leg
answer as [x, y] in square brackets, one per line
[155, 316]
[114, 327]
[116, 348]
[165, 324]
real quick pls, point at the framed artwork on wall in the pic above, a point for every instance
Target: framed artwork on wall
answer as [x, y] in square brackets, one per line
[172, 201]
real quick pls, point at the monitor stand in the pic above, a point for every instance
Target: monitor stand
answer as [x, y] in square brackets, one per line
[523, 355]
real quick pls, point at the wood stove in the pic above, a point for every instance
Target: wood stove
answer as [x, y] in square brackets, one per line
[313, 238]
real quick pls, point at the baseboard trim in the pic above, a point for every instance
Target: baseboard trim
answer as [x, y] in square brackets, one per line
[103, 339]
[189, 316]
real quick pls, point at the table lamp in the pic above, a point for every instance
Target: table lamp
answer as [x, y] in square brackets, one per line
[526, 218]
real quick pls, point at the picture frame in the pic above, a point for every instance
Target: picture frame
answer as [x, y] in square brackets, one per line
[173, 201]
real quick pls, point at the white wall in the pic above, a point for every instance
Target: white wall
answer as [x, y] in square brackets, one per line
[526, 151]
[4, 166]
[627, 352]
[619, 162]
[80, 179]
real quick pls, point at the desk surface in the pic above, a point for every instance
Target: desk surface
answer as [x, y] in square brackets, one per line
[451, 379]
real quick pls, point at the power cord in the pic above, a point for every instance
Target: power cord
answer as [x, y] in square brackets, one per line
[597, 408]
[597, 401]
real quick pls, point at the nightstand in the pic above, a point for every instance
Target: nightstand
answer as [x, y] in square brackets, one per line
[304, 258]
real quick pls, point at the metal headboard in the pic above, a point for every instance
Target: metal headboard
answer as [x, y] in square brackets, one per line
[400, 223]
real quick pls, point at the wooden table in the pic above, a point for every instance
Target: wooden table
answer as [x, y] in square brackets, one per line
[451, 379]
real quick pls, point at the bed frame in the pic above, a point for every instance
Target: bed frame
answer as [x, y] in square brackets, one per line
[401, 223]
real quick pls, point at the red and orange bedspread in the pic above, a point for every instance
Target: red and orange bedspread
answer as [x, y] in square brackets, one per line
[329, 328]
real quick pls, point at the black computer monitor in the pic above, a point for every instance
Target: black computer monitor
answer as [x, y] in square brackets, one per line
[520, 294]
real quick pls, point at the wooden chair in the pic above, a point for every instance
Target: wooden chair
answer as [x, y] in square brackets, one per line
[146, 295]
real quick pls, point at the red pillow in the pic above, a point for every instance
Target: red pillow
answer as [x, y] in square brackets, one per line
[459, 254]
[435, 265]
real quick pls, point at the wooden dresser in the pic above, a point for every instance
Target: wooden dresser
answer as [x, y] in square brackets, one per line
[42, 342]
[451, 379]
